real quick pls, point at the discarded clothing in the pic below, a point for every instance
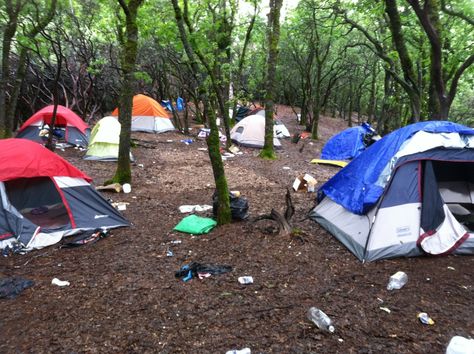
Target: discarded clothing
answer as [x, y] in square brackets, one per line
[11, 287]
[195, 225]
[86, 237]
[193, 269]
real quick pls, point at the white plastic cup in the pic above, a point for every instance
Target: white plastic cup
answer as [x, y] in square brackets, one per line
[127, 188]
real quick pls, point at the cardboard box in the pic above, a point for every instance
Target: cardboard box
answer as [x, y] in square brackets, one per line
[305, 182]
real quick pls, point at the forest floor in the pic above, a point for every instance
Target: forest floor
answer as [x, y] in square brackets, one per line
[124, 297]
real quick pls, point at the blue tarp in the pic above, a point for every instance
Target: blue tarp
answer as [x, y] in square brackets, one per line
[348, 144]
[180, 104]
[354, 187]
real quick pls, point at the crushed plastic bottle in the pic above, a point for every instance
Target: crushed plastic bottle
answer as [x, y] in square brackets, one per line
[245, 280]
[239, 351]
[320, 319]
[425, 318]
[460, 345]
[397, 281]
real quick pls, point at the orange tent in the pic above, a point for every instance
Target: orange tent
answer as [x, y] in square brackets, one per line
[148, 115]
[145, 106]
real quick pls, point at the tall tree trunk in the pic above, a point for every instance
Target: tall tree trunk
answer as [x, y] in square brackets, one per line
[223, 211]
[129, 44]
[412, 87]
[13, 8]
[273, 37]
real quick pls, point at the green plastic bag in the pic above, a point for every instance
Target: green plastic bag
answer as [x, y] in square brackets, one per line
[195, 225]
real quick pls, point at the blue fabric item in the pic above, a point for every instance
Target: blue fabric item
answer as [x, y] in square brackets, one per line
[346, 145]
[167, 104]
[354, 187]
[180, 104]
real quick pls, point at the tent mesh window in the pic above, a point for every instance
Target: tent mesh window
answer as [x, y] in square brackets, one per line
[456, 186]
[38, 200]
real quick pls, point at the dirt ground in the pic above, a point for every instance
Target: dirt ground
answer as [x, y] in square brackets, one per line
[124, 297]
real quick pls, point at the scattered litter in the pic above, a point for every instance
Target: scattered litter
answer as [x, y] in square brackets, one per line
[340, 340]
[320, 319]
[460, 345]
[425, 319]
[305, 181]
[203, 275]
[380, 300]
[191, 270]
[61, 283]
[194, 208]
[87, 237]
[168, 141]
[176, 242]
[169, 253]
[234, 149]
[196, 225]
[246, 280]
[286, 168]
[202, 149]
[187, 141]
[141, 165]
[239, 205]
[11, 287]
[117, 187]
[239, 351]
[397, 281]
[126, 188]
[120, 205]
[235, 194]
[451, 268]
[386, 309]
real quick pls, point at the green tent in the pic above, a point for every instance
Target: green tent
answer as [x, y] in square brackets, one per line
[104, 140]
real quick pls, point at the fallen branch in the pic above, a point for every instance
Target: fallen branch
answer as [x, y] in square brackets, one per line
[282, 220]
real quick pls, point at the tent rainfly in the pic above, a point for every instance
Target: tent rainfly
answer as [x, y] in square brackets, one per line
[44, 198]
[410, 193]
[349, 143]
[76, 131]
[148, 116]
[104, 140]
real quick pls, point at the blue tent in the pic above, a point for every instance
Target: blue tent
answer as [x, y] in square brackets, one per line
[408, 194]
[358, 186]
[348, 144]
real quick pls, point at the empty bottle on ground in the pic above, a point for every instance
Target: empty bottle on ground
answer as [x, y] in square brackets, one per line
[397, 281]
[320, 319]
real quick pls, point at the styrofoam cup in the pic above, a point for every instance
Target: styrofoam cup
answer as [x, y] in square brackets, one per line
[127, 188]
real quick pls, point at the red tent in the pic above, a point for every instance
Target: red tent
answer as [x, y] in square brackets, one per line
[76, 131]
[64, 116]
[22, 158]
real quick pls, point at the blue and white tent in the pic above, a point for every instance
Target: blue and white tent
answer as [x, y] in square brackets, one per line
[408, 194]
[348, 144]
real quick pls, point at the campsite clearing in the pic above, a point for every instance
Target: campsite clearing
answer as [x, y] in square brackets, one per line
[124, 297]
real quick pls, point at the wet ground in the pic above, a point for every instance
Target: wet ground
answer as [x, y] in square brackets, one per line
[124, 297]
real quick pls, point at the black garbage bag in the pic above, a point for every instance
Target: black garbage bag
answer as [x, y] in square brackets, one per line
[239, 206]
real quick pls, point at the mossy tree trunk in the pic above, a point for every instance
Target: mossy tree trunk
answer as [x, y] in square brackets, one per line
[273, 37]
[129, 45]
[192, 51]
[37, 28]
[13, 9]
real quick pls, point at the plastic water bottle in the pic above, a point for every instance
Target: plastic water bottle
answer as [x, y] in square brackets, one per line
[397, 281]
[320, 319]
[239, 351]
[460, 345]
